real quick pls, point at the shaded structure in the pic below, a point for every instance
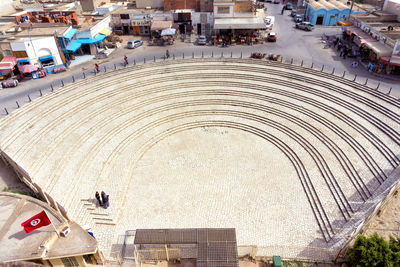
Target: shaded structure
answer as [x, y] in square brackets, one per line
[211, 247]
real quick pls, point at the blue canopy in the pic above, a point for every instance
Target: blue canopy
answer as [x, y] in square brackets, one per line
[45, 58]
[97, 39]
[70, 34]
[73, 46]
[23, 60]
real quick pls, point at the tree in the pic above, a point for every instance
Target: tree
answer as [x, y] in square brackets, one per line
[373, 251]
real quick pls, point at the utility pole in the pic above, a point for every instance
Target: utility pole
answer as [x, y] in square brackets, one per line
[351, 8]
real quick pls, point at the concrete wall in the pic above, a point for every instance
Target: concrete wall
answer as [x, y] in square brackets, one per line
[223, 15]
[181, 4]
[206, 20]
[392, 6]
[150, 3]
[38, 47]
[243, 6]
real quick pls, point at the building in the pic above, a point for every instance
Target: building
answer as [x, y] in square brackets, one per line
[74, 247]
[378, 37]
[236, 16]
[329, 13]
[39, 46]
[90, 35]
[136, 22]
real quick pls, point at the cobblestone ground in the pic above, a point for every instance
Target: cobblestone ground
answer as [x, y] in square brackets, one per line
[289, 156]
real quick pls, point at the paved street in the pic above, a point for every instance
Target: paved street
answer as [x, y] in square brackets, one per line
[292, 43]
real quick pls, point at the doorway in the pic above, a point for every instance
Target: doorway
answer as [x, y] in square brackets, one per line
[199, 29]
[126, 29]
[320, 20]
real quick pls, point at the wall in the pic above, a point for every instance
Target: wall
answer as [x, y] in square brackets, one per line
[206, 5]
[150, 3]
[221, 15]
[243, 6]
[205, 29]
[37, 47]
[392, 6]
[181, 4]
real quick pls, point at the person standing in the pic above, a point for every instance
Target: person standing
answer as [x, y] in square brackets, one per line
[126, 60]
[106, 202]
[97, 67]
[97, 195]
[167, 54]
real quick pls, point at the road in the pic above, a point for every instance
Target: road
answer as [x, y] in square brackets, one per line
[293, 45]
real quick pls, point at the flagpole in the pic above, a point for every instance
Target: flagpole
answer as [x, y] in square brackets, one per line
[51, 222]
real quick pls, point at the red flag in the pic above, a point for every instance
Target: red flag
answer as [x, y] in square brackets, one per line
[36, 222]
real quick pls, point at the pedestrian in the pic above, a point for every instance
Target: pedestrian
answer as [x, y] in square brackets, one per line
[167, 54]
[340, 45]
[106, 202]
[345, 52]
[103, 197]
[126, 60]
[283, 10]
[97, 67]
[335, 42]
[97, 195]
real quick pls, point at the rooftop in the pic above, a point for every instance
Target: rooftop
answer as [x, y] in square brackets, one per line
[42, 243]
[338, 4]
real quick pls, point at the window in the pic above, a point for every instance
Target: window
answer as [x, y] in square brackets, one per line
[8, 53]
[69, 262]
[19, 54]
[124, 16]
[223, 10]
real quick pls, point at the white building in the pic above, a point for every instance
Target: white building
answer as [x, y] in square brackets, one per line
[39, 51]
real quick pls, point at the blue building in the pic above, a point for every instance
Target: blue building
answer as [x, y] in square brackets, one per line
[329, 13]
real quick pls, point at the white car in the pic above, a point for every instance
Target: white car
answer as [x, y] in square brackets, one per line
[269, 22]
[202, 40]
[134, 43]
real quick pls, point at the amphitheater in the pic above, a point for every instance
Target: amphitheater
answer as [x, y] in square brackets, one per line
[293, 158]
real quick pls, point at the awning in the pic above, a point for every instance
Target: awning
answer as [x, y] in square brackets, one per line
[23, 60]
[159, 25]
[70, 33]
[357, 31]
[168, 32]
[393, 60]
[73, 46]
[239, 23]
[8, 63]
[46, 58]
[105, 31]
[380, 49]
[98, 38]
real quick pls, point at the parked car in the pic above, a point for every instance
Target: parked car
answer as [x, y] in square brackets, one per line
[288, 6]
[134, 43]
[268, 1]
[277, 1]
[293, 13]
[298, 18]
[269, 22]
[202, 40]
[271, 37]
[305, 25]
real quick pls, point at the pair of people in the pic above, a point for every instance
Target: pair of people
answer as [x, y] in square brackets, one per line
[103, 200]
